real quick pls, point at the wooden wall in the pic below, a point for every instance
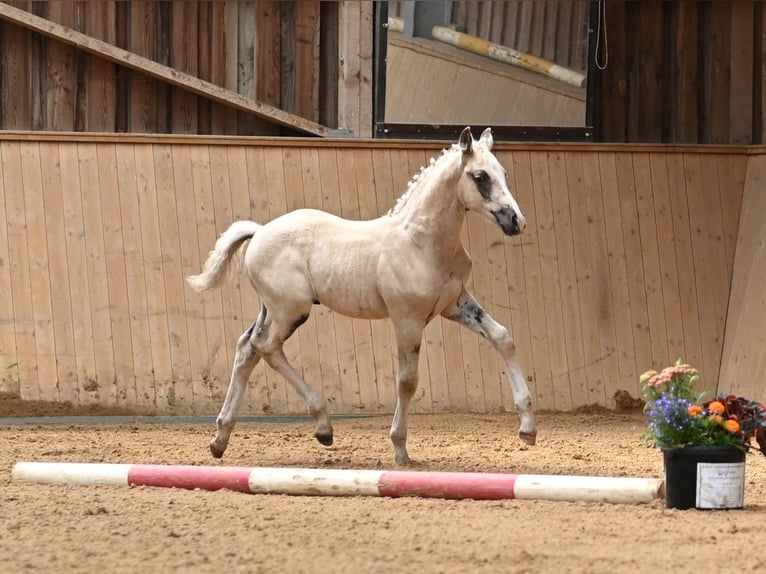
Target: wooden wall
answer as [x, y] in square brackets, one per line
[625, 265]
[744, 354]
[284, 54]
[684, 71]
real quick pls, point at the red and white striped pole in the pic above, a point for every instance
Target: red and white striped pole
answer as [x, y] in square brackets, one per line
[339, 482]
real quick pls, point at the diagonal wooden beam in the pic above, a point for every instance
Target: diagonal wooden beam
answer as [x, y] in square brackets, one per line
[156, 70]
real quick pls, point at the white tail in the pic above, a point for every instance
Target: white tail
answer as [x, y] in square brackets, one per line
[217, 264]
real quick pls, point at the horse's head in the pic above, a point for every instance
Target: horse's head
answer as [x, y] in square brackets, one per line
[482, 186]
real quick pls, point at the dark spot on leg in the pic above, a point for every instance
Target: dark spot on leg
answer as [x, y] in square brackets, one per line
[316, 301]
[416, 349]
[259, 323]
[300, 321]
[250, 330]
[470, 313]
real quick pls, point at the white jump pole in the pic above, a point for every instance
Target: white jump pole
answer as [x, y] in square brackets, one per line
[340, 482]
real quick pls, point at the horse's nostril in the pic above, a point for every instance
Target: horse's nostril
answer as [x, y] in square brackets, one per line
[520, 222]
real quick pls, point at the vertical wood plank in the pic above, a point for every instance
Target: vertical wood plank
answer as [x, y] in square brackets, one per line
[156, 304]
[118, 312]
[177, 391]
[705, 259]
[61, 85]
[39, 273]
[9, 362]
[615, 78]
[651, 276]
[245, 58]
[568, 276]
[16, 77]
[203, 41]
[742, 73]
[329, 64]
[184, 53]
[677, 186]
[586, 280]
[355, 83]
[19, 266]
[79, 285]
[552, 384]
[223, 42]
[628, 184]
[668, 268]
[307, 59]
[100, 76]
[716, 54]
[144, 91]
[59, 276]
[213, 360]
[137, 311]
[650, 70]
[603, 388]
[101, 388]
[524, 273]
[618, 272]
[712, 268]
[268, 49]
[686, 102]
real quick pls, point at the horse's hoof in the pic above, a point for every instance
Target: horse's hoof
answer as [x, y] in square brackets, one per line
[325, 439]
[529, 438]
[215, 451]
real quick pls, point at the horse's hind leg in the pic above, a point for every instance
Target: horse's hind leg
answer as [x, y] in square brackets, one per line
[409, 335]
[244, 362]
[468, 312]
[270, 348]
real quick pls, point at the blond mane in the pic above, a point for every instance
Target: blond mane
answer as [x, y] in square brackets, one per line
[418, 178]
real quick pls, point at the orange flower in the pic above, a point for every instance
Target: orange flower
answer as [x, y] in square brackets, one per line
[694, 410]
[716, 408]
[717, 419]
[731, 426]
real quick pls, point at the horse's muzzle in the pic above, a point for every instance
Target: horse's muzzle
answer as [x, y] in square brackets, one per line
[509, 221]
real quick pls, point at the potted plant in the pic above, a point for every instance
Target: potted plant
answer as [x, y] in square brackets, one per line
[703, 442]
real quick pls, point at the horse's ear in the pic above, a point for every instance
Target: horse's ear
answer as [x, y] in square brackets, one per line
[466, 141]
[487, 138]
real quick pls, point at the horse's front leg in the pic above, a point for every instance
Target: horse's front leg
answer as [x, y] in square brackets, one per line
[409, 334]
[466, 311]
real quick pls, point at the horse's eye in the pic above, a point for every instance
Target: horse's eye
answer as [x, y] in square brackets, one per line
[480, 176]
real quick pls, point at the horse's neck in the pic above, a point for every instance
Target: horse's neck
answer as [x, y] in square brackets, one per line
[433, 213]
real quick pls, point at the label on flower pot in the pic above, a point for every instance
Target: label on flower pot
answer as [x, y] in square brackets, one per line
[720, 485]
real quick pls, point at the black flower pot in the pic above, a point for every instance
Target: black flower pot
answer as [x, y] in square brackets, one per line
[706, 477]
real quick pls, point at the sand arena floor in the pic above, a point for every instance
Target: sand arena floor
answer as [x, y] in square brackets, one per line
[109, 529]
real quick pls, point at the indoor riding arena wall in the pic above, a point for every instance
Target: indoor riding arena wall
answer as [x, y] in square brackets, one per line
[626, 264]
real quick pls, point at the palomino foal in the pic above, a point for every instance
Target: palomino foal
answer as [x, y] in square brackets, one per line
[409, 265]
